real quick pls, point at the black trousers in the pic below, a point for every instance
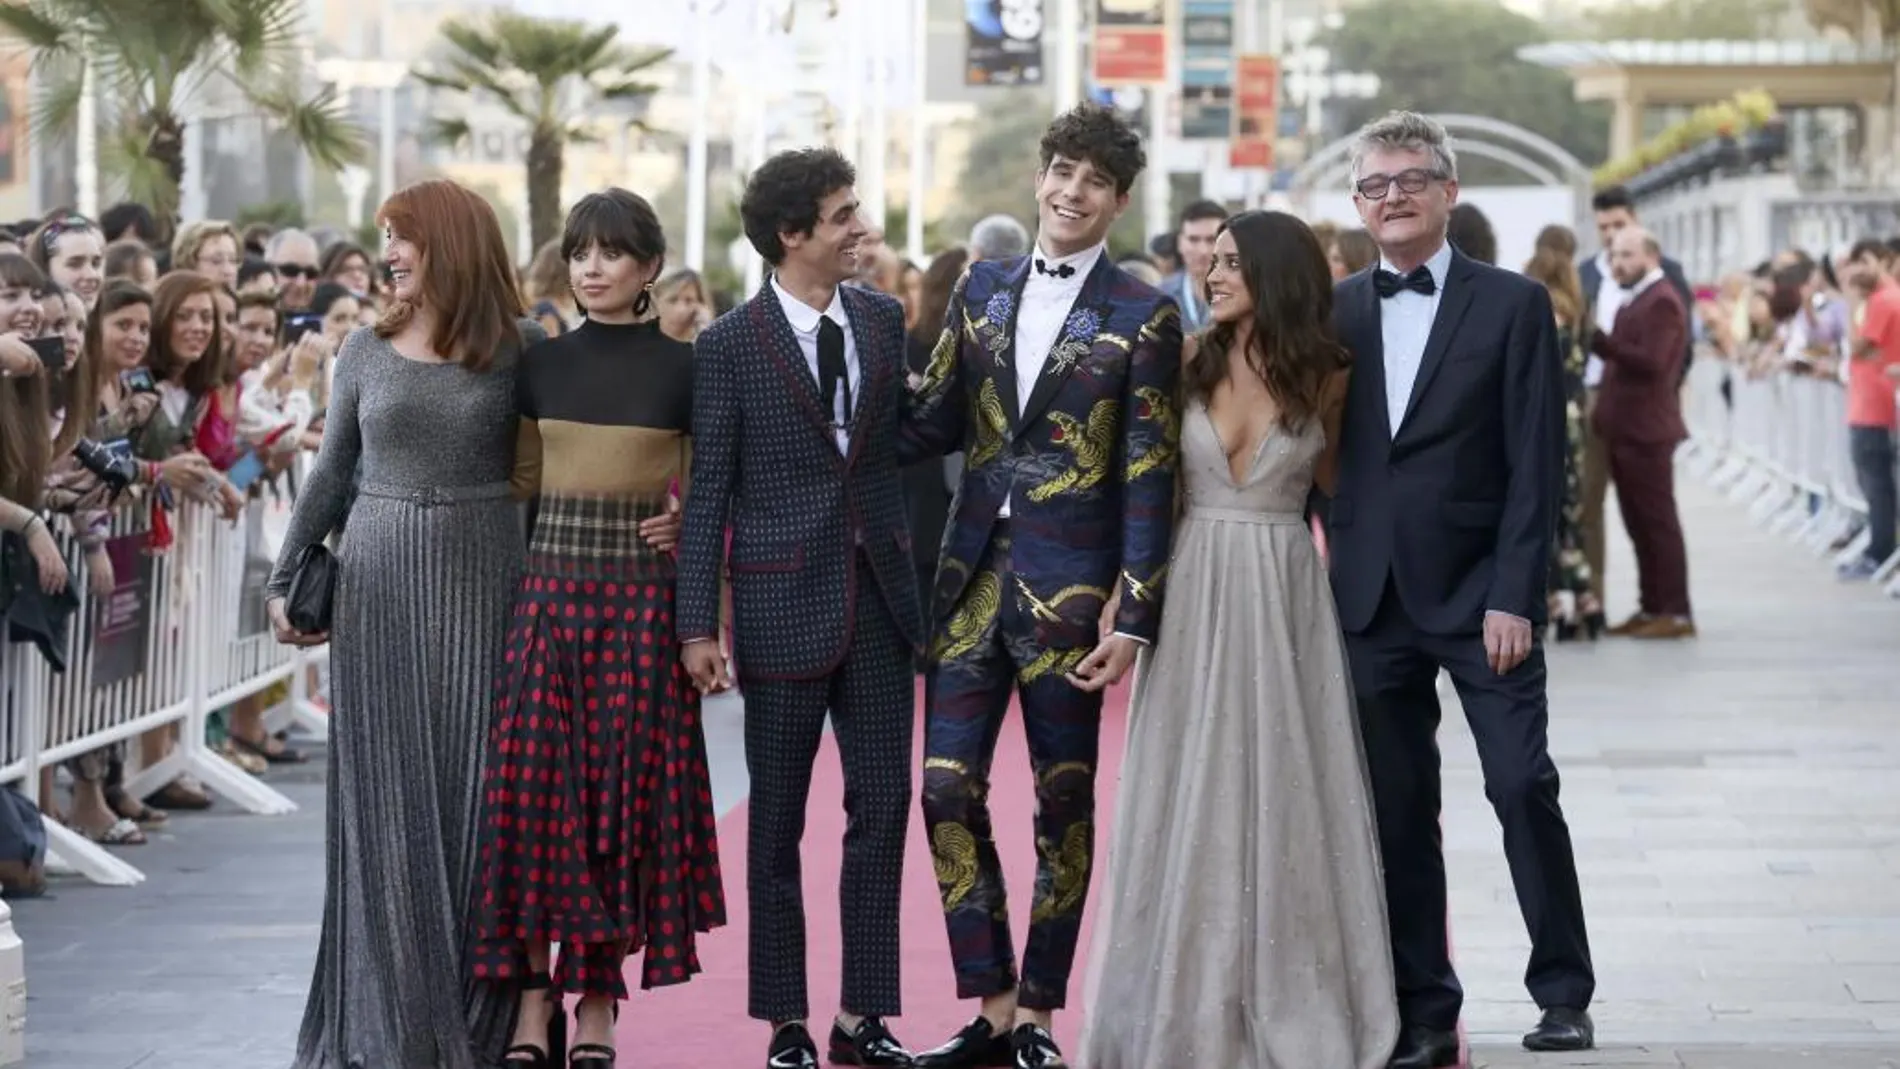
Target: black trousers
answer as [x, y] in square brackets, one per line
[1873, 453]
[1395, 674]
[869, 699]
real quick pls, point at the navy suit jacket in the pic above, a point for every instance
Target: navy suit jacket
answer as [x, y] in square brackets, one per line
[1458, 508]
[766, 466]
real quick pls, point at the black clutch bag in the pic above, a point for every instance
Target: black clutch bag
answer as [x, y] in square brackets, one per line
[311, 600]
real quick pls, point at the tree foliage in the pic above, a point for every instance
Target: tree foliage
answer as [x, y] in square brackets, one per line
[1461, 56]
[1677, 20]
[553, 75]
[153, 59]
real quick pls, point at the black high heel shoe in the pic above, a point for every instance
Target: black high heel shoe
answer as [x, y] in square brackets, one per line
[592, 1055]
[529, 1056]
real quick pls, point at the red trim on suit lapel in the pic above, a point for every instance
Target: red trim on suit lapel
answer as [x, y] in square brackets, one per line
[1097, 293]
[1451, 311]
[873, 367]
[776, 338]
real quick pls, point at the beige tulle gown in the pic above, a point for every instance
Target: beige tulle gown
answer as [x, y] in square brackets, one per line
[1243, 923]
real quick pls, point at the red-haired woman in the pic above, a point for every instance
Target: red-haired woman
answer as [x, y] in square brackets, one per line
[422, 419]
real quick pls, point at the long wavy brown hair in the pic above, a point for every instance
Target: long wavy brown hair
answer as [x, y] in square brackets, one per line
[168, 303]
[1291, 346]
[1554, 263]
[468, 281]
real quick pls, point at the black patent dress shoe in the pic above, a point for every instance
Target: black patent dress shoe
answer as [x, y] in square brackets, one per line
[1425, 1048]
[1036, 1048]
[792, 1048]
[1562, 1029]
[871, 1044]
[978, 1046]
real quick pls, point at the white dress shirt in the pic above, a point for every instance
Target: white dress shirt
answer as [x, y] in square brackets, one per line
[1405, 324]
[1611, 298]
[804, 319]
[1046, 303]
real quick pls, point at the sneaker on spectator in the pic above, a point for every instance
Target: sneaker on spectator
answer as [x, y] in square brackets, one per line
[1858, 570]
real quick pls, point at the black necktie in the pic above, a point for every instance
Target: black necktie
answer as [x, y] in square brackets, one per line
[1061, 271]
[831, 373]
[1419, 281]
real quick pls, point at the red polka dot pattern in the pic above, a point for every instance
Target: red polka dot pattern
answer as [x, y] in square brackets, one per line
[599, 827]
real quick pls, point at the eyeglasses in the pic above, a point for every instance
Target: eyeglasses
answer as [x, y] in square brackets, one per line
[294, 271]
[1376, 186]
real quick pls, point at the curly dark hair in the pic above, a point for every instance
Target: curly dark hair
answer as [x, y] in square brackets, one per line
[783, 195]
[1291, 344]
[1100, 135]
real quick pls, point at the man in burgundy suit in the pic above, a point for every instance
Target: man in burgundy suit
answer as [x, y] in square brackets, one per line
[1639, 417]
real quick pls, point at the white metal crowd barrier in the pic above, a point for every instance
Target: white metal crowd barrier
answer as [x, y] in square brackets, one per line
[1778, 443]
[196, 659]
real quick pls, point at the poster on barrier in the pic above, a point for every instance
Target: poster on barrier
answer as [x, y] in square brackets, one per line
[122, 622]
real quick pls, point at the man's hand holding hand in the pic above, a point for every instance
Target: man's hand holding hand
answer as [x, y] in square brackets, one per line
[662, 532]
[1106, 664]
[706, 664]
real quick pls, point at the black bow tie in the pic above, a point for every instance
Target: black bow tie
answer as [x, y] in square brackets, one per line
[1419, 281]
[1060, 271]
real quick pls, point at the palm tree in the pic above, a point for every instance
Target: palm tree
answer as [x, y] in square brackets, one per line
[151, 58]
[552, 74]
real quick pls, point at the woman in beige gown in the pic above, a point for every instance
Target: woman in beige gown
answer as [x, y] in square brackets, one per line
[1243, 921]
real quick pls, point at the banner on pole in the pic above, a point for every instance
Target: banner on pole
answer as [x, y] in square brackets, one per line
[1207, 70]
[1131, 42]
[1004, 42]
[1256, 112]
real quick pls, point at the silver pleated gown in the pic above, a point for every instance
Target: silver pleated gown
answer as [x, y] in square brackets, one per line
[429, 560]
[1243, 921]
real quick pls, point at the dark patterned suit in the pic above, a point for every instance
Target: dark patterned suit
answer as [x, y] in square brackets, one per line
[825, 619]
[1088, 469]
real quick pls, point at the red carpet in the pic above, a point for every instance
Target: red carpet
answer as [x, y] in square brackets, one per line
[703, 1024]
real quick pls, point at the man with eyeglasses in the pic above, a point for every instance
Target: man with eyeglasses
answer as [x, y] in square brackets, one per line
[293, 256]
[1451, 463]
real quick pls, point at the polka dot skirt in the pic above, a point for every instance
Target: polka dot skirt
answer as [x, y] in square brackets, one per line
[599, 829]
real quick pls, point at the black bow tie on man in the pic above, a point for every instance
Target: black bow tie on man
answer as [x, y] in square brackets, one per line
[1388, 283]
[1060, 271]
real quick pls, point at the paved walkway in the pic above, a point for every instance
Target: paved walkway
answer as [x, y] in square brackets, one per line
[1735, 802]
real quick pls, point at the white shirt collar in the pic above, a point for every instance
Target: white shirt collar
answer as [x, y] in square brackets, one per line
[1655, 275]
[1439, 264]
[1083, 262]
[804, 317]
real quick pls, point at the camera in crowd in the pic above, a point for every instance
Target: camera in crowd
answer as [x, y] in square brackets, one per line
[113, 465]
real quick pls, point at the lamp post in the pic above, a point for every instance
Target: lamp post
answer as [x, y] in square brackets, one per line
[919, 129]
[696, 140]
[384, 76]
[86, 138]
[871, 68]
[1068, 65]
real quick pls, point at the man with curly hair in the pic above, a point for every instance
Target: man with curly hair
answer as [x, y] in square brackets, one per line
[795, 403]
[1055, 375]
